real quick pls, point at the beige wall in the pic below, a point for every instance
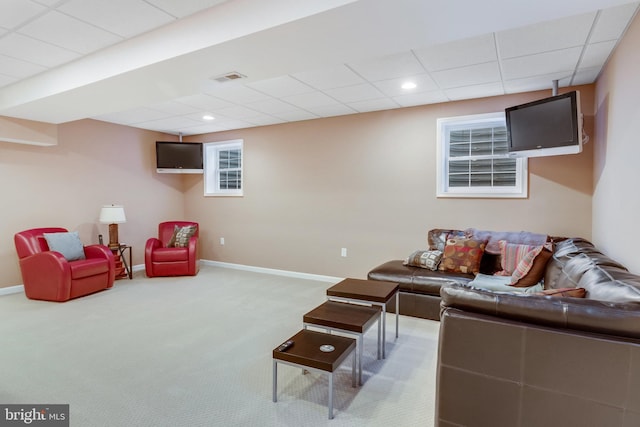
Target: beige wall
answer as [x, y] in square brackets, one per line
[367, 182]
[616, 200]
[94, 163]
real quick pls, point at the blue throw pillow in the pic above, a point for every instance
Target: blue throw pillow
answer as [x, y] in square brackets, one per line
[68, 244]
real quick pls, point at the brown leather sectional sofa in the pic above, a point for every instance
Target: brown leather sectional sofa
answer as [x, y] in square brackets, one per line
[527, 360]
[519, 360]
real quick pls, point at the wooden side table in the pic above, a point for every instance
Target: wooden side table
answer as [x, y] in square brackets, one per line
[120, 255]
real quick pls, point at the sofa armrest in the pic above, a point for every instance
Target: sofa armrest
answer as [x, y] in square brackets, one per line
[46, 275]
[588, 315]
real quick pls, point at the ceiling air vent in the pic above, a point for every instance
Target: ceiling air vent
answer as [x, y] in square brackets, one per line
[227, 77]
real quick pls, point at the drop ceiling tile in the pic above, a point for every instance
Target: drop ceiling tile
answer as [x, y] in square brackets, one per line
[355, 93]
[546, 36]
[373, 105]
[311, 100]
[14, 13]
[586, 76]
[70, 33]
[468, 76]
[237, 93]
[612, 22]
[271, 106]
[458, 53]
[332, 110]
[388, 67]
[175, 108]
[393, 87]
[475, 91]
[329, 78]
[18, 68]
[596, 54]
[280, 87]
[136, 115]
[169, 123]
[265, 120]
[237, 112]
[292, 116]
[413, 99]
[35, 51]
[204, 102]
[123, 17]
[541, 82]
[184, 8]
[6, 80]
[543, 63]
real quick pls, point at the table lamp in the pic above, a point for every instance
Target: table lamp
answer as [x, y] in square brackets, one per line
[113, 215]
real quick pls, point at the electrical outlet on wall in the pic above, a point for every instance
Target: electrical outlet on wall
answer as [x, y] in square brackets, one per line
[343, 252]
[222, 241]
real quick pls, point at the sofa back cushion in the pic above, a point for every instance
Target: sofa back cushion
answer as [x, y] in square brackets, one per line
[576, 263]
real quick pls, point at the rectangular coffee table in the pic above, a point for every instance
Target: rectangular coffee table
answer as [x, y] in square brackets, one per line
[306, 353]
[346, 318]
[372, 292]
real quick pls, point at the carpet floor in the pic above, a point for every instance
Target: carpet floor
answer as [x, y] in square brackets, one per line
[196, 351]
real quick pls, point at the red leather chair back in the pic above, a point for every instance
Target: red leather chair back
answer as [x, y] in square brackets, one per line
[165, 230]
[32, 241]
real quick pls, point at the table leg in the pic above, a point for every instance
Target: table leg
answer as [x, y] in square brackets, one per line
[384, 330]
[275, 381]
[379, 333]
[360, 338]
[330, 404]
[397, 312]
[353, 370]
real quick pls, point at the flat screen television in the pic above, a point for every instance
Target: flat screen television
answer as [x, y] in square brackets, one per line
[179, 157]
[547, 127]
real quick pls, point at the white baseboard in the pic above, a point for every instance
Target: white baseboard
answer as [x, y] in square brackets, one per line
[140, 267]
[12, 290]
[276, 272]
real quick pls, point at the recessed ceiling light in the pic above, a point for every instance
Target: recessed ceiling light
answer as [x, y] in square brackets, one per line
[409, 85]
[208, 117]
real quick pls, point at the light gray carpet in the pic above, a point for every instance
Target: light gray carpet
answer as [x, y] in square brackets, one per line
[196, 351]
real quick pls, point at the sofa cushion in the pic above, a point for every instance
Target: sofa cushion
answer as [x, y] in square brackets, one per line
[493, 237]
[424, 259]
[564, 292]
[462, 255]
[437, 237]
[170, 254]
[415, 279]
[502, 284]
[531, 268]
[512, 253]
[88, 267]
[68, 244]
[181, 236]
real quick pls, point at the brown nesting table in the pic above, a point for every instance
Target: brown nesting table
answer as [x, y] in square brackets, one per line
[345, 318]
[370, 292]
[306, 354]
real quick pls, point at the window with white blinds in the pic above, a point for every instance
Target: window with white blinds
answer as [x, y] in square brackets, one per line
[473, 159]
[223, 168]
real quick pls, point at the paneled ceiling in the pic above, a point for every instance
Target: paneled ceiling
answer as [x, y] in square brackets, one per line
[160, 64]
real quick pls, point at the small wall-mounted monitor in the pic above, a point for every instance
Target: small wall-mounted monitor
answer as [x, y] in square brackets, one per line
[547, 127]
[179, 157]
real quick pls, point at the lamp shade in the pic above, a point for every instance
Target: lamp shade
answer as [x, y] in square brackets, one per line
[112, 214]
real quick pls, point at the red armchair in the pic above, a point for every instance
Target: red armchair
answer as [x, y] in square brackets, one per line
[47, 275]
[161, 259]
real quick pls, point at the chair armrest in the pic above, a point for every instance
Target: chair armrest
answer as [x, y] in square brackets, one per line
[151, 245]
[193, 255]
[46, 275]
[97, 251]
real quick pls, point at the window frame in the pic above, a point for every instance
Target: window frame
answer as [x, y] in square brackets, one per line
[444, 127]
[211, 154]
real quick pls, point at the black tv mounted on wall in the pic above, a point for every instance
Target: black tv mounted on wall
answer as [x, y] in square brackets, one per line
[179, 157]
[547, 127]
